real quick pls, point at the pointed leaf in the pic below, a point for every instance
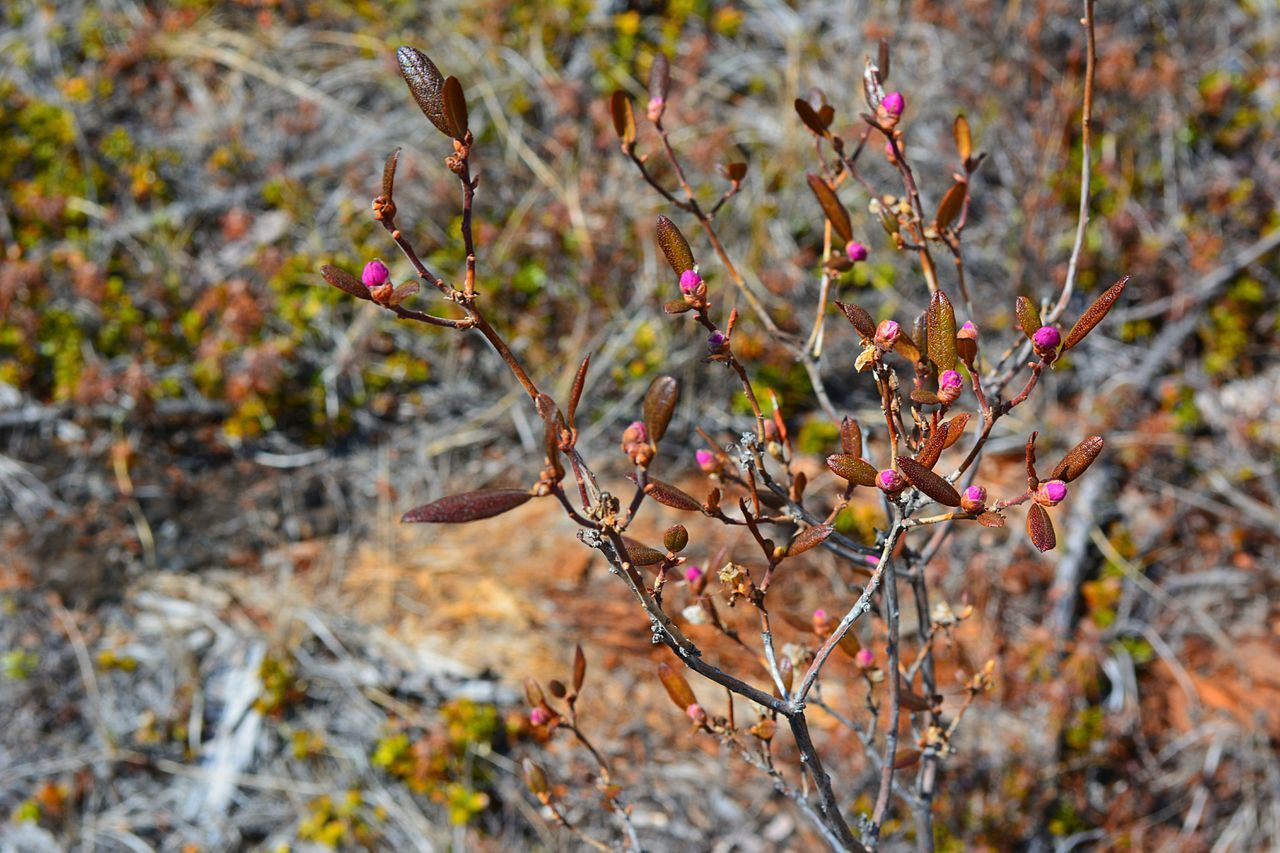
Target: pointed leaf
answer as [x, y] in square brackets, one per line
[575, 393]
[344, 281]
[861, 320]
[674, 246]
[964, 142]
[808, 538]
[1094, 315]
[677, 687]
[1028, 315]
[928, 482]
[389, 175]
[906, 347]
[850, 437]
[579, 668]
[641, 554]
[1078, 460]
[624, 117]
[942, 331]
[955, 429]
[669, 495]
[858, 471]
[949, 207]
[810, 117]
[425, 84]
[676, 306]
[906, 757]
[882, 61]
[928, 455]
[831, 206]
[659, 77]
[468, 506]
[659, 404]
[732, 171]
[403, 292]
[455, 107]
[924, 397]
[1040, 528]
[536, 779]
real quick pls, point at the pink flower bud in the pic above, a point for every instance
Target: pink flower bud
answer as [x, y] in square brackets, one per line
[539, 716]
[950, 384]
[893, 103]
[696, 713]
[865, 658]
[375, 274]
[856, 251]
[891, 482]
[689, 282]
[1046, 338]
[656, 107]
[693, 574]
[1051, 493]
[821, 622]
[887, 334]
[968, 332]
[707, 461]
[974, 499]
[716, 342]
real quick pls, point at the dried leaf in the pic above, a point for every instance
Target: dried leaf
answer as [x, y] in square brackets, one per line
[659, 404]
[924, 397]
[1040, 528]
[468, 506]
[425, 84]
[906, 347]
[911, 700]
[964, 142]
[928, 482]
[660, 77]
[955, 429]
[858, 471]
[677, 687]
[882, 61]
[808, 538]
[674, 246]
[732, 171]
[1078, 460]
[669, 495]
[1094, 315]
[624, 117]
[831, 206]
[949, 207]
[677, 306]
[928, 455]
[403, 292]
[641, 554]
[942, 331]
[1028, 315]
[810, 117]
[579, 668]
[389, 175]
[575, 393]
[849, 644]
[905, 758]
[455, 107]
[1033, 479]
[850, 437]
[861, 320]
[991, 519]
[344, 281]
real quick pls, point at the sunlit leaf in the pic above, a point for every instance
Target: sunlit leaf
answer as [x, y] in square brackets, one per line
[942, 331]
[674, 246]
[1093, 316]
[928, 482]
[1078, 459]
[831, 206]
[659, 404]
[1040, 528]
[468, 506]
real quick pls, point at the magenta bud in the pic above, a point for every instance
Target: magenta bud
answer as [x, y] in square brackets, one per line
[696, 713]
[539, 716]
[891, 482]
[655, 108]
[968, 332]
[974, 499]
[636, 432]
[893, 104]
[375, 274]
[865, 658]
[693, 574]
[887, 334]
[689, 282]
[706, 461]
[819, 617]
[1051, 493]
[856, 251]
[1046, 338]
[716, 342]
[950, 384]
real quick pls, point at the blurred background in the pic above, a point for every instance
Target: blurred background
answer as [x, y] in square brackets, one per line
[213, 633]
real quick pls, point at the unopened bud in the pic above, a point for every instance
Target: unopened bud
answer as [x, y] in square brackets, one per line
[856, 251]
[865, 658]
[1051, 493]
[716, 343]
[696, 714]
[887, 334]
[375, 274]
[821, 622]
[950, 384]
[696, 577]
[690, 281]
[656, 107]
[635, 443]
[891, 482]
[539, 716]
[967, 343]
[893, 104]
[707, 461]
[968, 332]
[974, 499]
[1045, 341]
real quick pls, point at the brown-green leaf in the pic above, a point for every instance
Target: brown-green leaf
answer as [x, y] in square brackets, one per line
[882, 60]
[455, 107]
[674, 246]
[389, 175]
[964, 142]
[735, 171]
[641, 554]
[928, 455]
[669, 495]
[660, 77]
[426, 84]
[1040, 528]
[1078, 460]
[1028, 315]
[991, 519]
[861, 320]
[955, 429]
[677, 687]
[831, 206]
[942, 331]
[808, 538]
[850, 437]
[624, 117]
[1094, 315]
[659, 404]
[928, 482]
[468, 506]
[949, 207]
[810, 117]
[344, 281]
[856, 470]
[579, 668]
